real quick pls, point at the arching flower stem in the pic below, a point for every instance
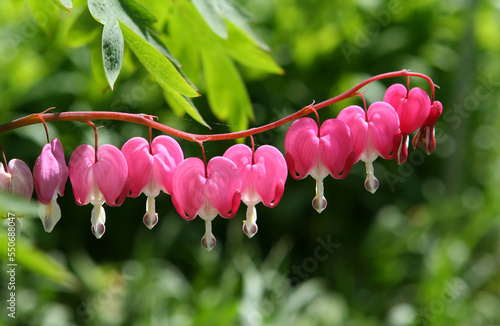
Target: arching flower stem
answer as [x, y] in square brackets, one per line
[148, 120]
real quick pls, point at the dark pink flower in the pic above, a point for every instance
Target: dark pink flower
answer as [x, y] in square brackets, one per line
[263, 175]
[18, 180]
[373, 133]
[412, 108]
[151, 169]
[206, 191]
[98, 182]
[317, 153]
[50, 174]
[426, 133]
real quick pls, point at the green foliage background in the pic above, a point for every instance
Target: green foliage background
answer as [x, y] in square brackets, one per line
[424, 250]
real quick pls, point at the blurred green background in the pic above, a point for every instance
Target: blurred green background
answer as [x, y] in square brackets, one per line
[423, 250]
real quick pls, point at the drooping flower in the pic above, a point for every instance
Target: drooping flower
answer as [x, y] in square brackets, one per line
[373, 133]
[50, 174]
[16, 179]
[151, 169]
[263, 176]
[426, 133]
[206, 191]
[317, 153]
[412, 108]
[98, 178]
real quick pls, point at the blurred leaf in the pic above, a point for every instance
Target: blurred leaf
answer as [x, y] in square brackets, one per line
[45, 14]
[38, 262]
[226, 92]
[243, 49]
[238, 16]
[64, 4]
[112, 50]
[208, 10]
[82, 30]
[17, 205]
[156, 63]
[182, 104]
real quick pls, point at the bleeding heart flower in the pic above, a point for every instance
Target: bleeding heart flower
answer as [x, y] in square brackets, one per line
[50, 174]
[412, 108]
[263, 176]
[16, 179]
[151, 169]
[317, 153]
[373, 133]
[97, 179]
[206, 191]
[427, 132]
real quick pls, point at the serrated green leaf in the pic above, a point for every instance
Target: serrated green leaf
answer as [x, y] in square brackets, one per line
[64, 4]
[182, 104]
[112, 50]
[226, 92]
[45, 14]
[208, 10]
[156, 63]
[243, 49]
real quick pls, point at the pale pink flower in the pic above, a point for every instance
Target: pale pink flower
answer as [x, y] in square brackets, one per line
[100, 181]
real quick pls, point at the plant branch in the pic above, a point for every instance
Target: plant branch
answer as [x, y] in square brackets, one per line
[147, 120]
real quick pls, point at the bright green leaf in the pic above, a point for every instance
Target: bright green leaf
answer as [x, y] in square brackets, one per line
[226, 92]
[156, 63]
[112, 50]
[207, 9]
[180, 104]
[243, 49]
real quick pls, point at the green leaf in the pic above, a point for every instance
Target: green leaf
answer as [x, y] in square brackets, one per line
[156, 63]
[226, 92]
[31, 258]
[235, 14]
[112, 50]
[180, 103]
[17, 205]
[100, 10]
[208, 10]
[243, 49]
[64, 4]
[96, 65]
